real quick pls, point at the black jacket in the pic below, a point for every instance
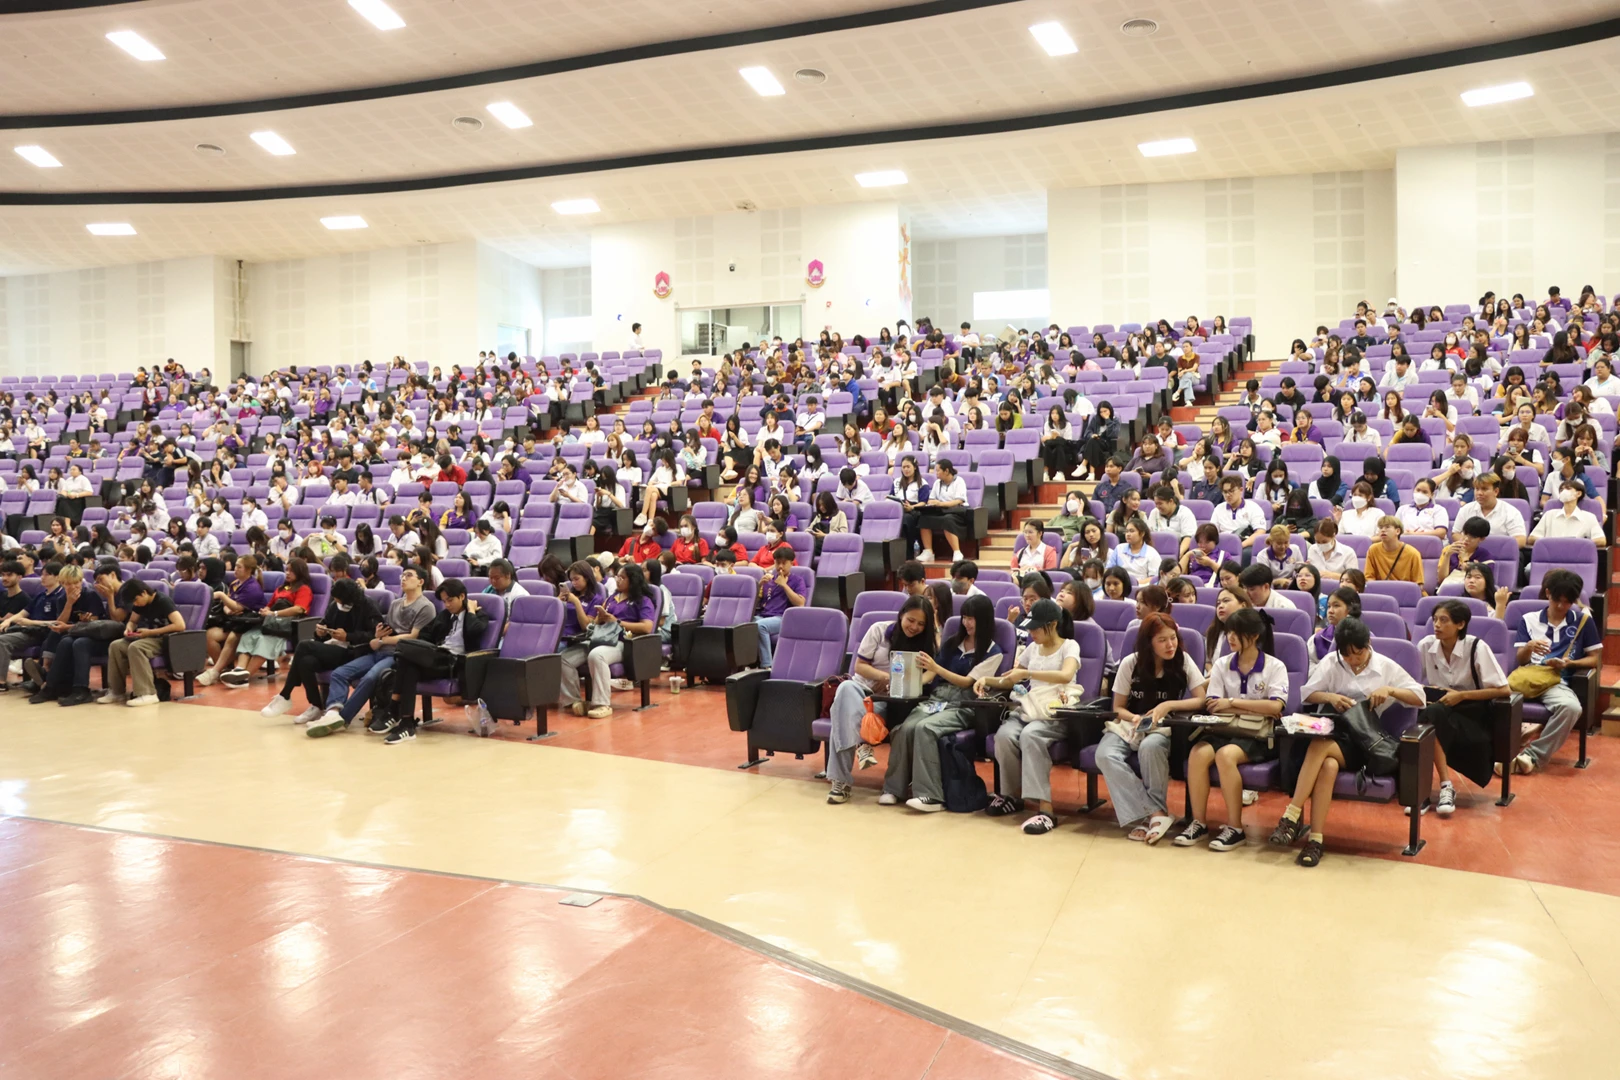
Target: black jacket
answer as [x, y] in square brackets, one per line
[360, 622]
[473, 625]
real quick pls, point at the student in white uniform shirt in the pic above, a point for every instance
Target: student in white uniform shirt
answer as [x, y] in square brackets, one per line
[1353, 673]
[1136, 556]
[1170, 516]
[1505, 520]
[1423, 516]
[1024, 740]
[1569, 519]
[1363, 434]
[1330, 558]
[1360, 517]
[1237, 515]
[1256, 580]
[1467, 670]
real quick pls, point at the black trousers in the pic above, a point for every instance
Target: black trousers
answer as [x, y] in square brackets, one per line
[309, 660]
[409, 672]
[1059, 456]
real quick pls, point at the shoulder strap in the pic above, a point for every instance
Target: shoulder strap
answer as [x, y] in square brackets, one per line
[1473, 664]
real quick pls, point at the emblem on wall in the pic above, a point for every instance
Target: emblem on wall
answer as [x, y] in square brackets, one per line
[662, 286]
[815, 275]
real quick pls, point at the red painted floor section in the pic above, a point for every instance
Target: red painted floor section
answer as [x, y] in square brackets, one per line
[1551, 833]
[129, 956]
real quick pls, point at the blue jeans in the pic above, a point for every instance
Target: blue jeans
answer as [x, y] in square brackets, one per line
[351, 684]
[769, 627]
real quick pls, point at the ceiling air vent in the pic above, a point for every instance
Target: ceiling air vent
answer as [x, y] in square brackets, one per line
[813, 76]
[209, 149]
[467, 123]
[1139, 28]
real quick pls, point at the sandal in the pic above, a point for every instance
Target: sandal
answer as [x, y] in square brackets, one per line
[1039, 824]
[1158, 826]
[1288, 831]
[1310, 854]
[1139, 834]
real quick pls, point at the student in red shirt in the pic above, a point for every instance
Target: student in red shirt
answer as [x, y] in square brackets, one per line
[645, 545]
[689, 546]
[726, 539]
[766, 555]
[449, 470]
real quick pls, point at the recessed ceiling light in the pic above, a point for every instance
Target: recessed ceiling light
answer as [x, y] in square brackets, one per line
[378, 14]
[576, 206]
[1495, 95]
[1139, 27]
[882, 178]
[112, 228]
[273, 143]
[509, 114]
[38, 155]
[344, 221]
[763, 82]
[1054, 39]
[135, 45]
[1167, 147]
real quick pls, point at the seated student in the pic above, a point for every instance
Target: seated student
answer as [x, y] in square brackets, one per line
[31, 619]
[1036, 554]
[1024, 740]
[1279, 556]
[913, 577]
[689, 547]
[628, 602]
[851, 488]
[1568, 519]
[484, 547]
[775, 540]
[353, 681]
[1256, 581]
[911, 631]
[455, 630]
[645, 544]
[1152, 682]
[348, 625]
[1237, 515]
[1352, 675]
[1423, 516]
[944, 511]
[965, 579]
[1562, 636]
[1342, 603]
[1110, 489]
[1392, 559]
[1245, 679]
[1460, 552]
[1136, 556]
[1504, 519]
[726, 540]
[68, 680]
[1361, 517]
[1168, 515]
[152, 617]
[1201, 561]
[776, 595]
[1466, 670]
[948, 679]
[1116, 584]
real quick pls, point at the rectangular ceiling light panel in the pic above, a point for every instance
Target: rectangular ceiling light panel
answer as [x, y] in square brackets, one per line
[1054, 39]
[1495, 95]
[135, 45]
[38, 155]
[576, 206]
[510, 115]
[273, 143]
[344, 221]
[763, 82]
[112, 228]
[881, 178]
[378, 14]
[1167, 147]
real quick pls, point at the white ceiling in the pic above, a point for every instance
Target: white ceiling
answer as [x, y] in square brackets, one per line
[972, 65]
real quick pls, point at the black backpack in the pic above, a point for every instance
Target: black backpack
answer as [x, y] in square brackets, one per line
[965, 792]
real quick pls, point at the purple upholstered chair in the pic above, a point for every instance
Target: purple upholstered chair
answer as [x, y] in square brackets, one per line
[643, 655]
[727, 639]
[877, 601]
[1563, 553]
[884, 549]
[571, 534]
[528, 547]
[186, 653]
[525, 678]
[495, 608]
[838, 571]
[778, 707]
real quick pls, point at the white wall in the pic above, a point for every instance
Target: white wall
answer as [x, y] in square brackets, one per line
[742, 259]
[508, 294]
[948, 273]
[116, 318]
[420, 302]
[1508, 217]
[1289, 251]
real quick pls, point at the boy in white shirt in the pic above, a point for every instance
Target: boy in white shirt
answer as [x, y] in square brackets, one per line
[1168, 515]
[205, 542]
[1237, 515]
[1569, 519]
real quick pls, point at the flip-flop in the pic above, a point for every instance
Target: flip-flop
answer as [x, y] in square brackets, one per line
[1158, 825]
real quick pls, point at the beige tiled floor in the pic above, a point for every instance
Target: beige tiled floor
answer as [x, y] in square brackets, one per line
[1139, 963]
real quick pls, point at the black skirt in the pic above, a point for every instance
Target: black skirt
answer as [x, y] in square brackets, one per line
[1464, 733]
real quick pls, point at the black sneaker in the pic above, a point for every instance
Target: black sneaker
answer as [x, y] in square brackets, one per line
[381, 723]
[1194, 832]
[78, 697]
[1001, 806]
[47, 694]
[1228, 838]
[398, 735]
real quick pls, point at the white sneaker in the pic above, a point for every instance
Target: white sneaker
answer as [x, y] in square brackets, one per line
[641, 519]
[1077, 474]
[278, 705]
[1446, 804]
[1250, 796]
[143, 700]
[926, 806]
[886, 799]
[15, 668]
[208, 678]
[925, 556]
[309, 715]
[110, 698]
[622, 684]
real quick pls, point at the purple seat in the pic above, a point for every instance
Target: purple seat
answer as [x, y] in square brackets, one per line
[528, 547]
[1385, 626]
[1397, 720]
[571, 534]
[1113, 616]
[186, 653]
[1406, 594]
[1563, 553]
[1425, 612]
[778, 708]
[884, 550]
[495, 608]
[525, 678]
[875, 600]
[726, 639]
[838, 571]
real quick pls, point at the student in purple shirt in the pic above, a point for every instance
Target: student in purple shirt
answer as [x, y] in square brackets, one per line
[243, 595]
[632, 606]
[582, 597]
[775, 597]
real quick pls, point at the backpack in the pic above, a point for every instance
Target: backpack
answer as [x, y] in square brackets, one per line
[964, 790]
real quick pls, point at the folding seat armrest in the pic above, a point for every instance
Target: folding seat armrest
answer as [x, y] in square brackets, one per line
[186, 651]
[1507, 720]
[512, 684]
[742, 697]
[711, 477]
[303, 630]
[643, 656]
[1415, 765]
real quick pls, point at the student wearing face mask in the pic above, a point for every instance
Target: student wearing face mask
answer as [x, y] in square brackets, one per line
[774, 539]
[1067, 521]
[341, 634]
[1568, 519]
[1423, 516]
[689, 547]
[1360, 517]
